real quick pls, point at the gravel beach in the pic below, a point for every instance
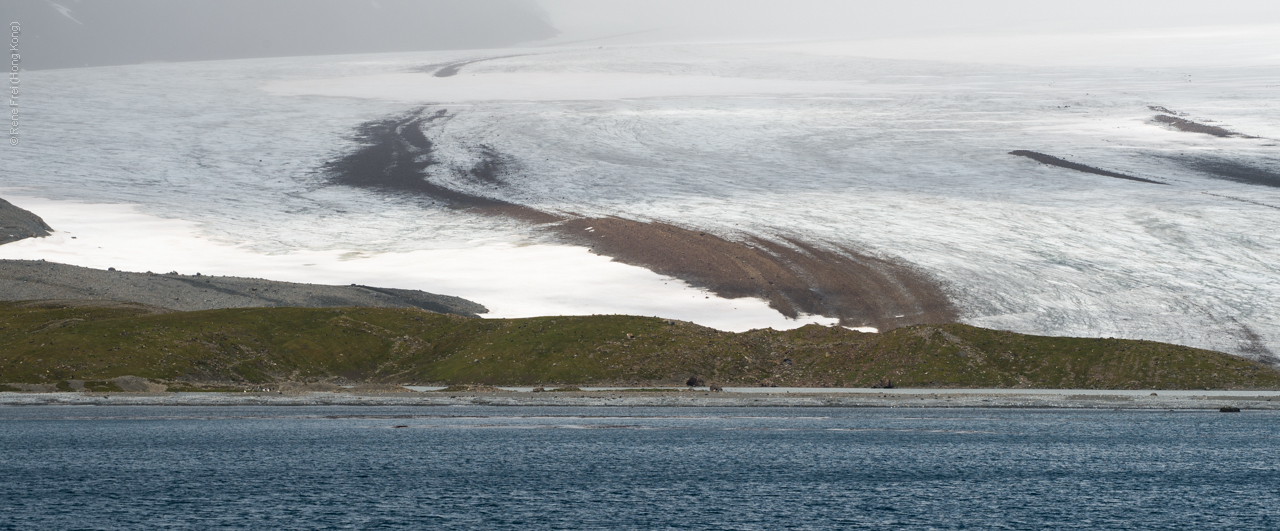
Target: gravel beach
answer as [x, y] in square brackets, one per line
[941, 398]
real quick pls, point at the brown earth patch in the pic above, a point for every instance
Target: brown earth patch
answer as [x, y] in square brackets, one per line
[518, 212]
[377, 389]
[795, 277]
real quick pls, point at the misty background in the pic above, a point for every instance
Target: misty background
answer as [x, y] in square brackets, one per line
[77, 33]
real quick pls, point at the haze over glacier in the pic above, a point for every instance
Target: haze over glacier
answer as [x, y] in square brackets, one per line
[898, 150]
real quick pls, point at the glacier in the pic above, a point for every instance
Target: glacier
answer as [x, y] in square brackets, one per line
[904, 159]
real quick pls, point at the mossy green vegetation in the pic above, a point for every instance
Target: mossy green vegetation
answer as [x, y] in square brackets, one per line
[49, 344]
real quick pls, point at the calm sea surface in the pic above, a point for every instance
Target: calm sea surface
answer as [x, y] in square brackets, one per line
[637, 468]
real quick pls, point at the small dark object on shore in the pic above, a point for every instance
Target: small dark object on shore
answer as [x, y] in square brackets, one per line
[539, 389]
[717, 389]
[1229, 409]
[883, 384]
[695, 381]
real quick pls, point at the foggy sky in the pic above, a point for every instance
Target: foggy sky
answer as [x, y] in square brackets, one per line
[702, 20]
[71, 33]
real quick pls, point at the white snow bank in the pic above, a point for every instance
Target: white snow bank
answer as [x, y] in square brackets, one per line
[511, 280]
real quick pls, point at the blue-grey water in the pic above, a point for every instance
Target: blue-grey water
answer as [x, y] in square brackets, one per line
[639, 468]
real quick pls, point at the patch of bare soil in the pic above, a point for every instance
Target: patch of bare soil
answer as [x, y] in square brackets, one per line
[795, 277]
[377, 389]
[135, 384]
[297, 388]
[1055, 161]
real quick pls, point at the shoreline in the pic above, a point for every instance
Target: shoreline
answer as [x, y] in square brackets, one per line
[914, 398]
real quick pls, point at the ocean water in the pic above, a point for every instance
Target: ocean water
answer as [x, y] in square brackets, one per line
[642, 468]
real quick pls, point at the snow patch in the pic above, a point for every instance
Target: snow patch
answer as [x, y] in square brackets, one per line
[512, 281]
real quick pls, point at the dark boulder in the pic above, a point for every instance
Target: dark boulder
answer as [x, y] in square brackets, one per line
[695, 381]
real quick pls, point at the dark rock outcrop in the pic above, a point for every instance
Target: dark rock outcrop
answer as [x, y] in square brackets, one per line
[18, 224]
[28, 280]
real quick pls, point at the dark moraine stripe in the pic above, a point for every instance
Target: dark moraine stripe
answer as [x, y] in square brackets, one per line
[1189, 126]
[796, 277]
[1234, 171]
[1055, 161]
[395, 154]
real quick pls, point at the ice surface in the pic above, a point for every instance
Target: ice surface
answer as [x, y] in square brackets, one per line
[904, 159]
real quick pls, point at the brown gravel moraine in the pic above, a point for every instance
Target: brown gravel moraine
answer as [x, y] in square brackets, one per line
[794, 277]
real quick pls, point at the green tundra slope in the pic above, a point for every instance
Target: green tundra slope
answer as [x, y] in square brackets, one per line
[51, 343]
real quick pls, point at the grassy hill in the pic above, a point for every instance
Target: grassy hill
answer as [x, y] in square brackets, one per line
[51, 343]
